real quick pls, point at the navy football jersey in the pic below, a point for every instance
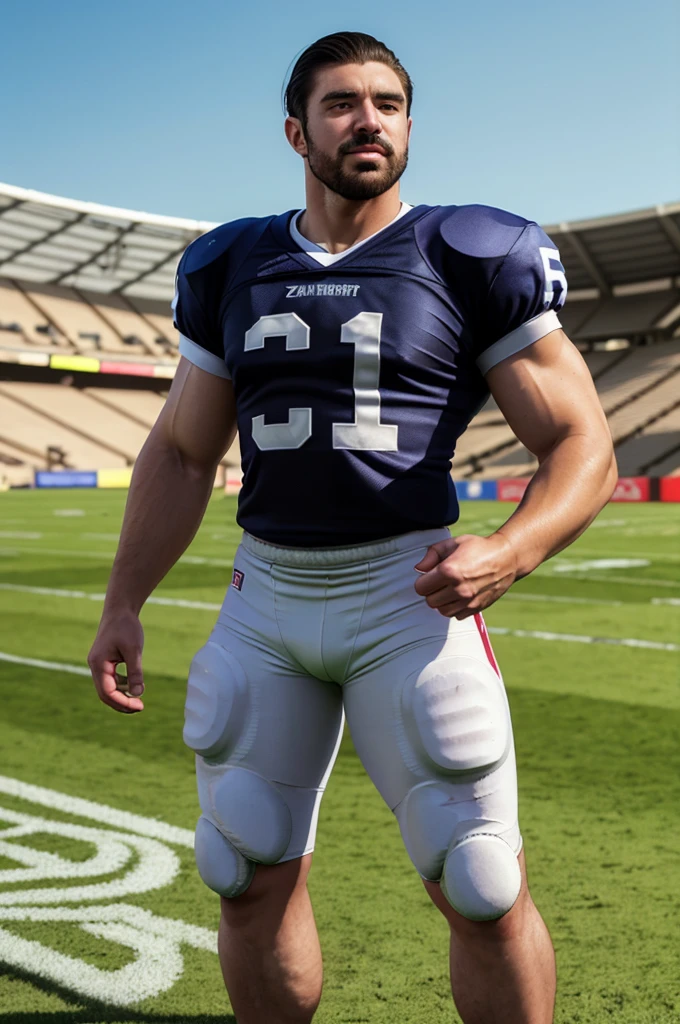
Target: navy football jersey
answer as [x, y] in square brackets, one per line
[354, 380]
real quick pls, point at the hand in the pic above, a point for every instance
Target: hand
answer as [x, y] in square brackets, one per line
[465, 574]
[119, 640]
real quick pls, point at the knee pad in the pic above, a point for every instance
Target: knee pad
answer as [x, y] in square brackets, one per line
[481, 878]
[220, 865]
[456, 716]
[246, 822]
[217, 703]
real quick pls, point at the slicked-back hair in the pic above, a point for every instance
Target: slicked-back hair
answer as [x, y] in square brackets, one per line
[336, 49]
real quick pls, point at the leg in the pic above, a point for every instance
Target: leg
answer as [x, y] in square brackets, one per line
[502, 972]
[269, 947]
[266, 734]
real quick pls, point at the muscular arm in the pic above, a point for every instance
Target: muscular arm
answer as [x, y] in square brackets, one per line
[171, 484]
[548, 398]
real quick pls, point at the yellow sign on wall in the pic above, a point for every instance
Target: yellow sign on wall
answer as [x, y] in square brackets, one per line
[114, 477]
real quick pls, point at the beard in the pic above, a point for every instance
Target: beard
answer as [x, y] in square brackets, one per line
[367, 180]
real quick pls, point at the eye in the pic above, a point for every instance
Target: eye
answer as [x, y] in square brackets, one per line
[387, 106]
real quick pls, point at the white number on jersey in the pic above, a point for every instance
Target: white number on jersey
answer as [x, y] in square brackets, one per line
[366, 433]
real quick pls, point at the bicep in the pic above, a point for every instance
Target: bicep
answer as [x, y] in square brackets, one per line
[199, 416]
[545, 392]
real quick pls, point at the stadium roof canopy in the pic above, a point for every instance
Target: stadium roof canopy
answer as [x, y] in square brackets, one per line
[49, 239]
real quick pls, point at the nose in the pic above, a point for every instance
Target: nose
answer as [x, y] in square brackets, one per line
[367, 121]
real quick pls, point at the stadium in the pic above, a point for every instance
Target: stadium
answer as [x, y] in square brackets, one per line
[102, 916]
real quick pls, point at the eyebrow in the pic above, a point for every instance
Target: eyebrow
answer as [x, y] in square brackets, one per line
[350, 94]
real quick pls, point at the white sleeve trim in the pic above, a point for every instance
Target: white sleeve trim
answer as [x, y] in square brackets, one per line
[202, 358]
[523, 336]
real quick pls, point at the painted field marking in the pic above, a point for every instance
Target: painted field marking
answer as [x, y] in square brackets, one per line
[68, 512]
[173, 602]
[19, 535]
[674, 601]
[652, 556]
[97, 812]
[142, 852]
[220, 563]
[573, 638]
[626, 580]
[601, 563]
[556, 599]
[53, 666]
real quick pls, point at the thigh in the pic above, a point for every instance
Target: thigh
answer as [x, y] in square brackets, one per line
[250, 708]
[432, 727]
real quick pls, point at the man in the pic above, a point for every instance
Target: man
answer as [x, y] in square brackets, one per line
[352, 343]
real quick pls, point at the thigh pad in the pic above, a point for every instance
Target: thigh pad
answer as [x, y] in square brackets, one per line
[217, 703]
[456, 716]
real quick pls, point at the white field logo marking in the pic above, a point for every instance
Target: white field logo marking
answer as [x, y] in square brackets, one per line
[139, 847]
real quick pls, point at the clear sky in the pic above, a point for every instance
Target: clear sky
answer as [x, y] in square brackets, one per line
[555, 110]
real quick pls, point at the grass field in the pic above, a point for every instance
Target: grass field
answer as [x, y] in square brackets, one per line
[84, 892]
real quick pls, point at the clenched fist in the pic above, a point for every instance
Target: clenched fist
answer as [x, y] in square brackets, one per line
[464, 575]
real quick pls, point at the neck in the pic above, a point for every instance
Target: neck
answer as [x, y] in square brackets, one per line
[337, 223]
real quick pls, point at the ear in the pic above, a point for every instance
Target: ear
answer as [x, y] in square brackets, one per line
[296, 135]
[409, 125]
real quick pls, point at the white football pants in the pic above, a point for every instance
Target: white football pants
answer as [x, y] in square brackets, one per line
[307, 633]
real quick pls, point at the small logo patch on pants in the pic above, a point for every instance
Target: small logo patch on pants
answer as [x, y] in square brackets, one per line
[237, 579]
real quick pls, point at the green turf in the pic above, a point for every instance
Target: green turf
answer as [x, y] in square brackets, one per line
[597, 740]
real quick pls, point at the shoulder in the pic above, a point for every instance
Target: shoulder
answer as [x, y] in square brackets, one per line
[482, 232]
[220, 241]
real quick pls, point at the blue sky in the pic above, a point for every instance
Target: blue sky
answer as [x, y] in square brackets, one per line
[553, 110]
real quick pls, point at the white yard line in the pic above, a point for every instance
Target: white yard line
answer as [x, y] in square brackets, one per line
[627, 580]
[173, 602]
[54, 666]
[220, 563]
[554, 598]
[573, 638]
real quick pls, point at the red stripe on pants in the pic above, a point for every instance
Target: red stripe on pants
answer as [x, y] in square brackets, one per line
[484, 633]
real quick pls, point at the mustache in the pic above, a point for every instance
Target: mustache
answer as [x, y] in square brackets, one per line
[366, 140]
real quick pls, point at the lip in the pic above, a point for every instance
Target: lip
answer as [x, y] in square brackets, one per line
[368, 149]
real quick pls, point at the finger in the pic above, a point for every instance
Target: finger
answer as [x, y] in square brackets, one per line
[133, 660]
[434, 554]
[461, 592]
[104, 675]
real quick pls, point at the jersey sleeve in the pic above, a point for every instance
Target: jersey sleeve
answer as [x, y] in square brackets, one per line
[528, 289]
[200, 340]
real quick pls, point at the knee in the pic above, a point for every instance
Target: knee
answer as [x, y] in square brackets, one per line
[271, 890]
[471, 858]
[248, 823]
[481, 877]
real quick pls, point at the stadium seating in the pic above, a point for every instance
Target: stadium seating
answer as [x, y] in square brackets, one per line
[79, 279]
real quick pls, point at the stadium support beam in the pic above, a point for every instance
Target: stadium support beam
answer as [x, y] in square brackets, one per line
[45, 238]
[94, 257]
[151, 270]
[581, 250]
[671, 230]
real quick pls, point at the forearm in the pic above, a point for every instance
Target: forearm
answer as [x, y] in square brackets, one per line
[165, 506]
[571, 486]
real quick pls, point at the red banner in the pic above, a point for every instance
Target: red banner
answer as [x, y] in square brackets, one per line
[513, 489]
[631, 488]
[669, 488]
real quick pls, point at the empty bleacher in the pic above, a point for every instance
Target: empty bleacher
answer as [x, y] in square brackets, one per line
[142, 407]
[35, 428]
[22, 322]
[50, 316]
[656, 450]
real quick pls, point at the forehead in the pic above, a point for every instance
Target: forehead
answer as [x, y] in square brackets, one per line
[361, 78]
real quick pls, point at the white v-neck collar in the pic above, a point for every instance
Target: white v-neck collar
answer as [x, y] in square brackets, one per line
[327, 258]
